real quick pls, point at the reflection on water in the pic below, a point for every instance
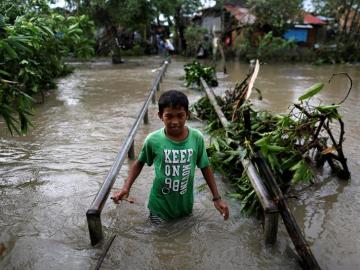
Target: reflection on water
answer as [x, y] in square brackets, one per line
[49, 178]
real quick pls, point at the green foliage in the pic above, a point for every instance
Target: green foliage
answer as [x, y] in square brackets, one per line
[302, 172]
[246, 195]
[133, 14]
[136, 50]
[311, 91]
[338, 51]
[137, 15]
[268, 47]
[271, 47]
[194, 36]
[177, 12]
[32, 48]
[343, 43]
[274, 14]
[195, 70]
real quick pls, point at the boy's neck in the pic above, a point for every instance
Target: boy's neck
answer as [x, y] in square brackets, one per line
[179, 137]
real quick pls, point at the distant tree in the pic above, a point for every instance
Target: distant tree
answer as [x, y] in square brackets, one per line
[179, 10]
[33, 44]
[139, 14]
[346, 15]
[195, 36]
[345, 24]
[16, 8]
[113, 16]
[274, 15]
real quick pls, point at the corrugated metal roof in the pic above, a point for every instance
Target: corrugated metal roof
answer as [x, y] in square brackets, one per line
[310, 19]
[241, 14]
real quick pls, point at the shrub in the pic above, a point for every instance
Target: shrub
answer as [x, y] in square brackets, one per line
[194, 36]
[32, 47]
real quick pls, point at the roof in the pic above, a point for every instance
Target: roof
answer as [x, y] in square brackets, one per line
[241, 14]
[310, 19]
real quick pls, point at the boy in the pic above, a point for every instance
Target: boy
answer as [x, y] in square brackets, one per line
[175, 150]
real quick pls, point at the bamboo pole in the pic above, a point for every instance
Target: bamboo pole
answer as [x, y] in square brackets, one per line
[307, 258]
[146, 117]
[270, 230]
[131, 153]
[269, 207]
[153, 98]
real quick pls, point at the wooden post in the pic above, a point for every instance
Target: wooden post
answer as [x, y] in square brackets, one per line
[146, 117]
[153, 98]
[95, 227]
[308, 259]
[131, 153]
[271, 227]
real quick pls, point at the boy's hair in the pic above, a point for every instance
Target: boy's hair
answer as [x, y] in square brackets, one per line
[173, 99]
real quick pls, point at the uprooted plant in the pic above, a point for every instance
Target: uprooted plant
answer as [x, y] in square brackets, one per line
[293, 144]
[194, 71]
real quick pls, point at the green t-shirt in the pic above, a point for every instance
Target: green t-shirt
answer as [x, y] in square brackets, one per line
[175, 162]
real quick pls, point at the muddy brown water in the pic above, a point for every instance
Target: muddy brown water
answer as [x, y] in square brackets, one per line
[49, 178]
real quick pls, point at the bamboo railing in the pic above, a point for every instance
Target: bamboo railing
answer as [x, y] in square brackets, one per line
[93, 214]
[271, 212]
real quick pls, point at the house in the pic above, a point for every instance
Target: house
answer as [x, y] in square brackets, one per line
[235, 18]
[308, 32]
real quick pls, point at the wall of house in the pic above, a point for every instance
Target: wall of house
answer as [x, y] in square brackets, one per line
[300, 35]
[211, 23]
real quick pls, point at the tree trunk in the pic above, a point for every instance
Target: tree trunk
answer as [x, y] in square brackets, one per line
[170, 23]
[222, 53]
[116, 55]
[347, 11]
[180, 28]
[354, 22]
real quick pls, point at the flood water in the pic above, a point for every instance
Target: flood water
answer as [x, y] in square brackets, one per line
[49, 178]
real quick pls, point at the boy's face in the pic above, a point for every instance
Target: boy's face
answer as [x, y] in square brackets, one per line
[174, 120]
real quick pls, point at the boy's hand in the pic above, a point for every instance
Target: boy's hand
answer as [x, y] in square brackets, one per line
[222, 207]
[120, 195]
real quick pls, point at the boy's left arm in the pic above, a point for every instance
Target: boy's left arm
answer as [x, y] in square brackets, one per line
[219, 204]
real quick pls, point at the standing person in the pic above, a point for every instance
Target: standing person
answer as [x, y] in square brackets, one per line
[169, 46]
[175, 150]
[161, 45]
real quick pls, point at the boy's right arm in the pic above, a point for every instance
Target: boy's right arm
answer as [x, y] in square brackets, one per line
[133, 174]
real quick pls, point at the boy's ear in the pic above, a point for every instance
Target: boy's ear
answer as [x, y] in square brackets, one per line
[160, 115]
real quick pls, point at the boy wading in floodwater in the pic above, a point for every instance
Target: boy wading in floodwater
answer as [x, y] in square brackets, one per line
[175, 151]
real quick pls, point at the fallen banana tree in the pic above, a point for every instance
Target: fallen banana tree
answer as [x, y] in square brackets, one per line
[248, 160]
[294, 144]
